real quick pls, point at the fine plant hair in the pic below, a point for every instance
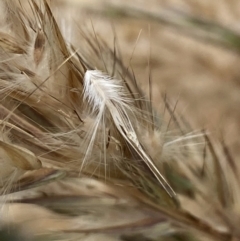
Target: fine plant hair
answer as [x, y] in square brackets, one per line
[85, 156]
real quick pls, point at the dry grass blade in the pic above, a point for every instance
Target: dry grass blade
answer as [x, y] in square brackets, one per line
[37, 178]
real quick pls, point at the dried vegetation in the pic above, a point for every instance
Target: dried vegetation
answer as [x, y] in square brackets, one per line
[84, 155]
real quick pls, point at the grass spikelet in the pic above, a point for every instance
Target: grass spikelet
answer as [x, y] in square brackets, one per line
[84, 154]
[102, 93]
